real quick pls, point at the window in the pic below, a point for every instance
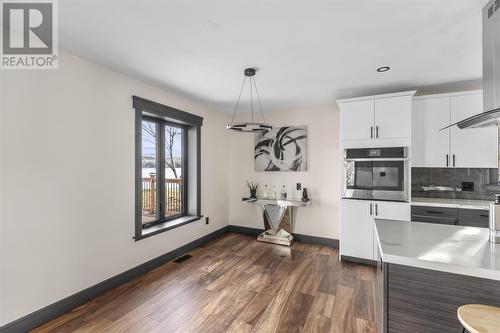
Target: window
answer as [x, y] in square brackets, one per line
[163, 193]
[167, 168]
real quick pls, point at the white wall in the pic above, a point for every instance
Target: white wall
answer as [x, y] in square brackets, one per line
[322, 178]
[67, 181]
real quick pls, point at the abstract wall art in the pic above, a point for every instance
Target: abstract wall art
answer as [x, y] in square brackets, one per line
[281, 149]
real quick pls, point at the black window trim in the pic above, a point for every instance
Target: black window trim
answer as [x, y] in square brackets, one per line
[168, 112]
[165, 115]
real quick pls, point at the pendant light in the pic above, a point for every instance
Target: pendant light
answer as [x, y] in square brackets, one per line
[252, 126]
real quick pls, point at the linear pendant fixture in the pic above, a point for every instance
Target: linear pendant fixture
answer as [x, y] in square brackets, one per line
[252, 126]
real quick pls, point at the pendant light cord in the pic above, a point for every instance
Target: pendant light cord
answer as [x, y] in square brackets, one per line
[238, 101]
[251, 97]
[253, 84]
[258, 99]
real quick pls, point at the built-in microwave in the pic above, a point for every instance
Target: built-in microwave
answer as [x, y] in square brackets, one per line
[376, 173]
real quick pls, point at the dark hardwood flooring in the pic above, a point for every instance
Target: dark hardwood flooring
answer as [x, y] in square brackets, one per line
[236, 284]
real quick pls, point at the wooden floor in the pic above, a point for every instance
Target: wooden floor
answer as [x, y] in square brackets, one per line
[236, 284]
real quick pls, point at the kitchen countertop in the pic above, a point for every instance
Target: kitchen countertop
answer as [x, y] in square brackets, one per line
[446, 248]
[453, 203]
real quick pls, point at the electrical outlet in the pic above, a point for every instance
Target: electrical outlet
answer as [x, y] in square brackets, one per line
[299, 186]
[207, 220]
[468, 186]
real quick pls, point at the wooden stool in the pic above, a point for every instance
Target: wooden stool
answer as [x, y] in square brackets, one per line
[477, 318]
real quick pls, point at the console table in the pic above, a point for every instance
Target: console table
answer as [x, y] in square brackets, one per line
[278, 218]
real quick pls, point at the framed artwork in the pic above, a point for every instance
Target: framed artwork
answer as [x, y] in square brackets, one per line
[281, 149]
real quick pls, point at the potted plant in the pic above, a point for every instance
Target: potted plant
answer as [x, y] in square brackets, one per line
[253, 189]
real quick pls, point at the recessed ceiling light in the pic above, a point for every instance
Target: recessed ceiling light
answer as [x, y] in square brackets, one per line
[383, 69]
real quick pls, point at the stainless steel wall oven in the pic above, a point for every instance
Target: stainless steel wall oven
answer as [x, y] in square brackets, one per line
[376, 173]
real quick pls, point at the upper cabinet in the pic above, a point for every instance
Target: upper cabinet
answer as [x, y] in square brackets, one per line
[453, 147]
[472, 147]
[393, 117]
[357, 120]
[430, 146]
[376, 117]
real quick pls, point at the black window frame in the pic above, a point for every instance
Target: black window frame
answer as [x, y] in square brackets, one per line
[162, 116]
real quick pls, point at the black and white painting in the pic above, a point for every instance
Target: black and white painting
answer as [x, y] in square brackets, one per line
[281, 149]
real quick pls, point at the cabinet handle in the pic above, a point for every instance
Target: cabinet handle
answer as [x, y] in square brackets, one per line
[453, 159]
[371, 132]
[371, 209]
[376, 131]
[447, 160]
[376, 209]
[433, 217]
[433, 212]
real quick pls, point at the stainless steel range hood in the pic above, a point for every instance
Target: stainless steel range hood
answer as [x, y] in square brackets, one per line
[491, 71]
[483, 119]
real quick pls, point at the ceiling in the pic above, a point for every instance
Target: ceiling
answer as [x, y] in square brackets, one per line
[307, 52]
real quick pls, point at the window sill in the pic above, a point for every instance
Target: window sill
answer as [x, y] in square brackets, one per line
[165, 226]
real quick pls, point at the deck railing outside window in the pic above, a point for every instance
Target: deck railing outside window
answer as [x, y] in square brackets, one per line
[173, 196]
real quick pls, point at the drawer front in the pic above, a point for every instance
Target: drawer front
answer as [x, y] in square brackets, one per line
[473, 218]
[392, 210]
[438, 215]
[432, 219]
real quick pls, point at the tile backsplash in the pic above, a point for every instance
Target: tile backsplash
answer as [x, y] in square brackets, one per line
[453, 178]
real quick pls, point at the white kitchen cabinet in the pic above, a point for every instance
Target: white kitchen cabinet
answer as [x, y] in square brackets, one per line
[453, 147]
[399, 211]
[391, 210]
[357, 120]
[393, 117]
[472, 147]
[376, 117]
[357, 230]
[430, 147]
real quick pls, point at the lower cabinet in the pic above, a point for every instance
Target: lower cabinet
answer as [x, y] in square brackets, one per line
[357, 230]
[453, 216]
[473, 218]
[439, 215]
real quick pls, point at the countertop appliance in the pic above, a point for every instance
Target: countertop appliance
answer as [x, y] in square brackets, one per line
[491, 71]
[495, 220]
[376, 173]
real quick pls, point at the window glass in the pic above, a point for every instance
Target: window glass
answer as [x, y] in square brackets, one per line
[174, 171]
[149, 172]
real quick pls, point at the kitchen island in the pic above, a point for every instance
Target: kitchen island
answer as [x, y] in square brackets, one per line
[426, 271]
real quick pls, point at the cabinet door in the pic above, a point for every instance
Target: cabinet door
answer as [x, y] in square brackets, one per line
[429, 145]
[356, 230]
[473, 218]
[393, 117]
[392, 210]
[357, 120]
[472, 147]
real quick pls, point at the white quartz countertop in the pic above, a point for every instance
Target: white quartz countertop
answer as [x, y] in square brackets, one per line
[453, 203]
[446, 248]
